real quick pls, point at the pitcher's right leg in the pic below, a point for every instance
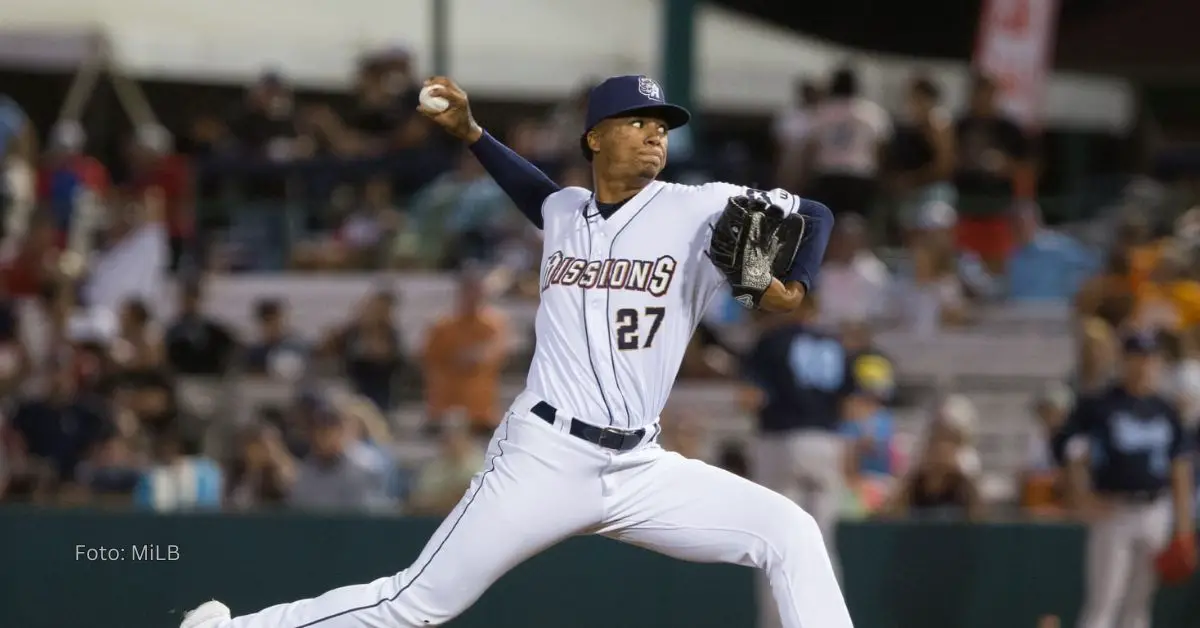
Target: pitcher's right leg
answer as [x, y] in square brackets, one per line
[536, 489]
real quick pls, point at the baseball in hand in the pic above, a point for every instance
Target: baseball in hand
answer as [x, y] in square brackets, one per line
[431, 101]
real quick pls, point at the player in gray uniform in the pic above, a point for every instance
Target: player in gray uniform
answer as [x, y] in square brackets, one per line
[1128, 473]
[627, 272]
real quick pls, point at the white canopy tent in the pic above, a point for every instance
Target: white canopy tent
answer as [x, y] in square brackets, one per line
[499, 48]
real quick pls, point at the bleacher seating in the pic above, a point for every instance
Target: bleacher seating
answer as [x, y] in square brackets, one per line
[999, 363]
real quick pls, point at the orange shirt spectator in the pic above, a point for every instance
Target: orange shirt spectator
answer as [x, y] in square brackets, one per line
[1174, 305]
[464, 353]
[1168, 297]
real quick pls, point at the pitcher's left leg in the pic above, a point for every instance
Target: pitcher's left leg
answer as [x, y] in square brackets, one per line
[690, 510]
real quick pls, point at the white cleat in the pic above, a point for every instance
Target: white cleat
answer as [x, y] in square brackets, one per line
[208, 615]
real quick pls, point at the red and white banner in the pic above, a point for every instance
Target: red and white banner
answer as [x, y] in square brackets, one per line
[1016, 47]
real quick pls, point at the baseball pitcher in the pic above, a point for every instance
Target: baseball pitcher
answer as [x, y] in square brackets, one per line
[626, 272]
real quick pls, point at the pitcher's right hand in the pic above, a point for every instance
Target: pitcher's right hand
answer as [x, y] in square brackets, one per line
[457, 119]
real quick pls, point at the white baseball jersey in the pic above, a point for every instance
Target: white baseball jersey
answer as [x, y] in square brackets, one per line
[622, 296]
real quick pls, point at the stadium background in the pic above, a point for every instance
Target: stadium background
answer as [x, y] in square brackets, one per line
[325, 270]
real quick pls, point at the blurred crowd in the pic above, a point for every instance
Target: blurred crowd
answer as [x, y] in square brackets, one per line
[937, 221]
[129, 410]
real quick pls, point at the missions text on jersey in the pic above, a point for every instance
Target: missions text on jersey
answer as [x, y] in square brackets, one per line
[653, 277]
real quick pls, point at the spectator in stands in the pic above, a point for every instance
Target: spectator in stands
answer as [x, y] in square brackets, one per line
[139, 343]
[1045, 265]
[18, 180]
[370, 349]
[154, 165]
[992, 152]
[196, 343]
[265, 134]
[868, 425]
[399, 82]
[133, 258]
[791, 131]
[1040, 480]
[463, 357]
[921, 155]
[377, 118]
[365, 232]
[848, 135]
[72, 186]
[938, 485]
[177, 480]
[333, 475]
[277, 352]
[854, 284]
[52, 433]
[930, 291]
[440, 484]
[262, 473]
[455, 202]
[480, 219]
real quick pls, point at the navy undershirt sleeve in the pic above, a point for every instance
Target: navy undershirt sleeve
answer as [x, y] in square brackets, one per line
[527, 186]
[812, 250]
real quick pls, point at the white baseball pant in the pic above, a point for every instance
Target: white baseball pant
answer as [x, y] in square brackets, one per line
[1120, 579]
[541, 485]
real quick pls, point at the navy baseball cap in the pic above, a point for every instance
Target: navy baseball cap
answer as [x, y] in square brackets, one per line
[1141, 342]
[625, 95]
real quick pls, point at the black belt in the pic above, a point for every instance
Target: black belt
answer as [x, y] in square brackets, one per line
[606, 437]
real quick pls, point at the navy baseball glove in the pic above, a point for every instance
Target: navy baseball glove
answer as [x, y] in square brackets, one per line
[754, 241]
